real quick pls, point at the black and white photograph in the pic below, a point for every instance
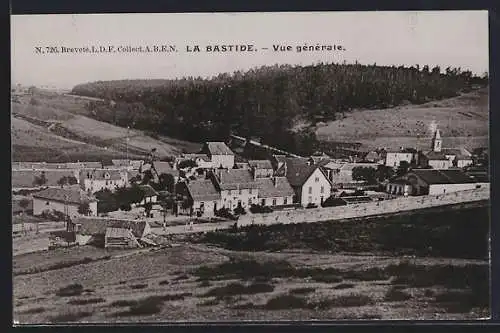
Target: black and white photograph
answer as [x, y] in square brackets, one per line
[247, 167]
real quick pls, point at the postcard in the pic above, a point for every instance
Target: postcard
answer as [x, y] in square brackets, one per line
[237, 167]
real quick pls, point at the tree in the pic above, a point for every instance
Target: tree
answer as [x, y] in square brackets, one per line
[24, 203]
[186, 164]
[403, 168]
[148, 206]
[366, 174]
[384, 172]
[40, 180]
[148, 177]
[166, 181]
[62, 181]
[72, 180]
[84, 209]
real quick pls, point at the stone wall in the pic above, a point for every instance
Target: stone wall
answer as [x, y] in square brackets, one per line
[365, 209]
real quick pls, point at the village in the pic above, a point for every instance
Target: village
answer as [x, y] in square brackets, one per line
[126, 203]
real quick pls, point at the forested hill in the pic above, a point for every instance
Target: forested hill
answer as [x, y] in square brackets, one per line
[268, 102]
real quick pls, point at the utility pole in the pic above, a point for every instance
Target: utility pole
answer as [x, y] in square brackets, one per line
[128, 128]
[66, 211]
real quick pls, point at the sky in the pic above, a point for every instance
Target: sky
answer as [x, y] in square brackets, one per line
[443, 38]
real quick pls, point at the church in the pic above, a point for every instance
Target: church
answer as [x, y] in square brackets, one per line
[444, 158]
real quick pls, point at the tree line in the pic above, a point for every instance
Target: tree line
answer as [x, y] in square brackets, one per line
[268, 102]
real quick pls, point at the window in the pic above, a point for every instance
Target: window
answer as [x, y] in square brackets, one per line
[478, 186]
[249, 191]
[316, 179]
[310, 199]
[322, 189]
[249, 201]
[274, 201]
[263, 202]
[310, 190]
[240, 191]
[47, 203]
[285, 201]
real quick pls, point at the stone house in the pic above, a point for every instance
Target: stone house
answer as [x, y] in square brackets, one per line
[95, 180]
[64, 200]
[204, 195]
[309, 182]
[236, 186]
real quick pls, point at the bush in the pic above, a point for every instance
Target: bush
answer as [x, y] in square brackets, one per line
[139, 286]
[284, 302]
[70, 316]
[86, 301]
[239, 211]
[257, 209]
[239, 289]
[396, 295]
[326, 278]
[225, 213]
[353, 300]
[311, 205]
[300, 291]
[70, 290]
[344, 286]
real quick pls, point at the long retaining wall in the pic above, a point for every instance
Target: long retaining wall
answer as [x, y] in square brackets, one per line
[365, 209]
[339, 213]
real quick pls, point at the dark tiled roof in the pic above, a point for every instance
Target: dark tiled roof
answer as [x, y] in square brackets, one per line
[274, 187]
[260, 164]
[204, 157]
[202, 190]
[114, 232]
[400, 181]
[98, 226]
[165, 167]
[433, 155]
[451, 151]
[75, 196]
[148, 190]
[298, 171]
[25, 178]
[443, 176]
[100, 174]
[233, 179]
[218, 148]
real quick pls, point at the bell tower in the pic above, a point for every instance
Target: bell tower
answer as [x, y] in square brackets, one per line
[437, 141]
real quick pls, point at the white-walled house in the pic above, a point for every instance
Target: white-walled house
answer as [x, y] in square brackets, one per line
[204, 195]
[149, 195]
[310, 183]
[394, 158]
[236, 186]
[64, 200]
[95, 180]
[274, 191]
[220, 155]
[261, 168]
[435, 182]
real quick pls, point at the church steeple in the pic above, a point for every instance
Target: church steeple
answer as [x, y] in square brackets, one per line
[437, 141]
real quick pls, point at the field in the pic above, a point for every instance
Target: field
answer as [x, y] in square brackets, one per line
[201, 280]
[43, 129]
[463, 121]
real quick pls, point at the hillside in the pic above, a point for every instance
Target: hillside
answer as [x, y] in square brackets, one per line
[278, 104]
[53, 127]
[463, 121]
